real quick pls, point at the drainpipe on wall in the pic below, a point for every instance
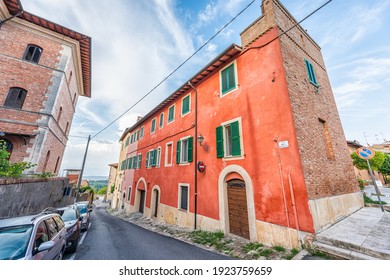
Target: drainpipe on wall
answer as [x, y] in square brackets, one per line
[195, 156]
[282, 187]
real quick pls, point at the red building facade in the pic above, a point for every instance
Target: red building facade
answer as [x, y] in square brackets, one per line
[263, 120]
[44, 67]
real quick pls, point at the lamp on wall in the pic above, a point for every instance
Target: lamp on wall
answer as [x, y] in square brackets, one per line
[200, 140]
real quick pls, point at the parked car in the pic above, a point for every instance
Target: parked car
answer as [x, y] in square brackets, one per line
[34, 237]
[85, 213]
[72, 219]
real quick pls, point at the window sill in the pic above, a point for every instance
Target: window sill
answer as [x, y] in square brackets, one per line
[233, 158]
[223, 94]
[184, 163]
[183, 210]
[185, 114]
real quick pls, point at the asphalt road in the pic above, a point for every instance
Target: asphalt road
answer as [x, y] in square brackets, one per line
[110, 238]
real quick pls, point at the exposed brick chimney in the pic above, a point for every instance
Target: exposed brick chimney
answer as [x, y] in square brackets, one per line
[261, 25]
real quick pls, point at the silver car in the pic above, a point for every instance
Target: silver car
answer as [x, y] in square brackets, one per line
[85, 213]
[36, 237]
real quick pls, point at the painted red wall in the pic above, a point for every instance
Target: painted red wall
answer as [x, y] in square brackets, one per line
[263, 104]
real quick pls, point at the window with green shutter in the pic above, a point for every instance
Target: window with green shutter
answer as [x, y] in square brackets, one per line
[185, 105]
[139, 160]
[171, 113]
[141, 133]
[153, 126]
[147, 159]
[184, 150]
[178, 148]
[310, 73]
[161, 120]
[228, 79]
[228, 140]
[219, 134]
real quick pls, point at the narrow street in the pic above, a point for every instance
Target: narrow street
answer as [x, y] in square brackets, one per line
[110, 238]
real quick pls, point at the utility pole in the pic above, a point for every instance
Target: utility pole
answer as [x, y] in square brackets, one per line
[82, 169]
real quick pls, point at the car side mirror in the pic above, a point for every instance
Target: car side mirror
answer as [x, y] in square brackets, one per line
[48, 245]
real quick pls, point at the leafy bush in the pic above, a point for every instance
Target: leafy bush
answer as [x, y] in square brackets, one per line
[8, 169]
[361, 183]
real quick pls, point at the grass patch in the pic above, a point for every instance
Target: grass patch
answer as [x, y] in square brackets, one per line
[370, 201]
[251, 246]
[213, 239]
[279, 249]
[265, 252]
[292, 254]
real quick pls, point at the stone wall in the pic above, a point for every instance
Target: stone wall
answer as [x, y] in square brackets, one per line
[19, 197]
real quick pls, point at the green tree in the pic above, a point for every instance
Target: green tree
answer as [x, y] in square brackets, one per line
[8, 169]
[375, 163]
[112, 188]
[385, 168]
[102, 191]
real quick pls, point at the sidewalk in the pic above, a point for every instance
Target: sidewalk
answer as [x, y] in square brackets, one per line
[363, 235]
[385, 191]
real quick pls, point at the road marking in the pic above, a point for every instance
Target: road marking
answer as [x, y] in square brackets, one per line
[84, 235]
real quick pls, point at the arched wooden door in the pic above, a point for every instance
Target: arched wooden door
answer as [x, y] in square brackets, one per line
[238, 209]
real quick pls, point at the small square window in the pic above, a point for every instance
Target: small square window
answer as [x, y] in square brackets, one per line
[310, 73]
[153, 126]
[185, 105]
[228, 79]
[15, 98]
[171, 113]
[161, 120]
[183, 197]
[228, 140]
[32, 53]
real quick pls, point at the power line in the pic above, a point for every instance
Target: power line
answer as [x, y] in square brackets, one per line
[174, 71]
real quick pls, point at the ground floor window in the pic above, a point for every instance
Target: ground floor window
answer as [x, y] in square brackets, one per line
[183, 196]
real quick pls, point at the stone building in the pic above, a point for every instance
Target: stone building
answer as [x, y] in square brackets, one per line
[44, 68]
[251, 145]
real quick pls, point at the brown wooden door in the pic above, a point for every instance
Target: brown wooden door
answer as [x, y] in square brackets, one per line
[238, 210]
[142, 201]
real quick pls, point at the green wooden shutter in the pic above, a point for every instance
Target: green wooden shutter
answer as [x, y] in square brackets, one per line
[178, 147]
[153, 158]
[190, 148]
[139, 160]
[219, 134]
[224, 80]
[236, 149]
[147, 159]
[232, 78]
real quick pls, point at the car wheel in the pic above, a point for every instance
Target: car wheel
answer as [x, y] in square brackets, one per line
[61, 255]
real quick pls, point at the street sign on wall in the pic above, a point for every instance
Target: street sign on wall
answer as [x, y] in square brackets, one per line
[365, 153]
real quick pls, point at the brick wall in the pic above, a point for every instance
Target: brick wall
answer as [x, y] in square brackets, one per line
[51, 87]
[324, 154]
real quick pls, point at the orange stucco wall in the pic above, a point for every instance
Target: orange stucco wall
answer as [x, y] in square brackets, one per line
[262, 104]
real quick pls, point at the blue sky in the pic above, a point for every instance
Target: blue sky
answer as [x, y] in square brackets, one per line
[135, 44]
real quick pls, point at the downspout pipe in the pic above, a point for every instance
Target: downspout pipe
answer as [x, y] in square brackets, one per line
[195, 156]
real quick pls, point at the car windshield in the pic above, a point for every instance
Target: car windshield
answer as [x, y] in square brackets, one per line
[14, 241]
[82, 208]
[68, 215]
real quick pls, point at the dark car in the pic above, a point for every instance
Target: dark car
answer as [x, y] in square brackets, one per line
[85, 213]
[35, 237]
[72, 219]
